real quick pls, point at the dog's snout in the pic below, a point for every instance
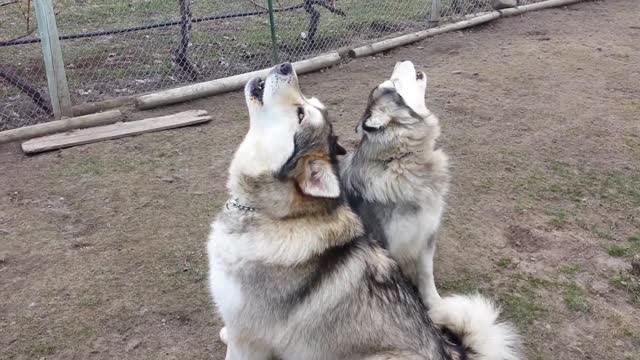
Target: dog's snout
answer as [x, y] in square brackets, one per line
[285, 68]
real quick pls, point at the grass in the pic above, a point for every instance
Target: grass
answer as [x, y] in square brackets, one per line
[630, 250]
[91, 166]
[558, 218]
[617, 251]
[602, 234]
[521, 301]
[577, 184]
[571, 270]
[40, 349]
[630, 284]
[464, 283]
[576, 299]
[504, 262]
[523, 306]
[89, 303]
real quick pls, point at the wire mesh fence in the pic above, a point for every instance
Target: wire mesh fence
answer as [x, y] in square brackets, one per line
[114, 48]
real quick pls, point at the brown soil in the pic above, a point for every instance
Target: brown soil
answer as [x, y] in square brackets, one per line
[102, 247]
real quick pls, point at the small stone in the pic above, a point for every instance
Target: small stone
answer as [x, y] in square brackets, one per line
[456, 72]
[548, 327]
[32, 305]
[420, 48]
[619, 343]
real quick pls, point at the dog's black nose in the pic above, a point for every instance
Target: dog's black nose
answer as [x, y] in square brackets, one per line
[285, 68]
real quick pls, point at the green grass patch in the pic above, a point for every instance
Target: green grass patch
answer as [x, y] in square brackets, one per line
[523, 304]
[602, 234]
[504, 262]
[558, 218]
[617, 251]
[523, 307]
[630, 284]
[89, 303]
[575, 298]
[43, 348]
[465, 283]
[92, 166]
[571, 270]
[575, 184]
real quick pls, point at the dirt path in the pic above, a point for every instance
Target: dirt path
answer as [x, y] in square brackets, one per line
[102, 246]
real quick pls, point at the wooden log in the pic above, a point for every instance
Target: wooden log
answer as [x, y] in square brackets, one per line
[115, 131]
[94, 107]
[218, 86]
[417, 36]
[29, 132]
[536, 6]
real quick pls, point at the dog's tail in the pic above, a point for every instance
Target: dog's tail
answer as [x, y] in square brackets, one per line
[474, 320]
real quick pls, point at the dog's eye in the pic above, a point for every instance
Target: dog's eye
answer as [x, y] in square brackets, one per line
[300, 114]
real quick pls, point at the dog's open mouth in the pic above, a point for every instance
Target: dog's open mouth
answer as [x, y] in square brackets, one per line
[257, 89]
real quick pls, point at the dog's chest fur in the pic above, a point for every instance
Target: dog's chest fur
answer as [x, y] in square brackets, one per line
[403, 198]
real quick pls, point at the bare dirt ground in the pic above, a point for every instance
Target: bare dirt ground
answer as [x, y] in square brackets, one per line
[102, 247]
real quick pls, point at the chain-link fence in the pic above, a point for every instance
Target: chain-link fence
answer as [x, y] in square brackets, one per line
[114, 48]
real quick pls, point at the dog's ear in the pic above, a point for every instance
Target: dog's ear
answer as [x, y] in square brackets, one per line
[319, 179]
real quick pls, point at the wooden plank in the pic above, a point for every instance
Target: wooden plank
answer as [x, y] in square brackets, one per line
[115, 131]
[52, 127]
[52, 55]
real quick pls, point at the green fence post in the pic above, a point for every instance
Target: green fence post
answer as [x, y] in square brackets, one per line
[272, 25]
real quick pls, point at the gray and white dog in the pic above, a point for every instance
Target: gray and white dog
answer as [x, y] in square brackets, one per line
[395, 179]
[291, 272]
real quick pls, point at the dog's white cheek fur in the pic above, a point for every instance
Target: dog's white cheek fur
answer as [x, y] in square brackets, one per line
[258, 153]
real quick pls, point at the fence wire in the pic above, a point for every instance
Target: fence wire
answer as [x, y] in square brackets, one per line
[114, 48]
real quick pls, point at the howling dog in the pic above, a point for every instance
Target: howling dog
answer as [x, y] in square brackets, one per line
[292, 273]
[395, 179]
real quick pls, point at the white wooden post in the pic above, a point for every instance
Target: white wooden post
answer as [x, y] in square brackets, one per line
[52, 53]
[435, 11]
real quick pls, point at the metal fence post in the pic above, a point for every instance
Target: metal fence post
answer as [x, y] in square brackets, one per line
[272, 25]
[52, 54]
[435, 11]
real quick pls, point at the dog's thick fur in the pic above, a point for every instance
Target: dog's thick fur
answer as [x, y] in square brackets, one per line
[291, 272]
[397, 181]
